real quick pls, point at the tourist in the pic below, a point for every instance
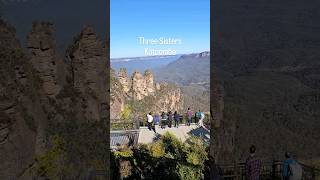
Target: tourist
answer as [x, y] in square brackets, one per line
[150, 122]
[292, 170]
[170, 119]
[156, 118]
[253, 165]
[189, 116]
[202, 116]
[163, 120]
[197, 116]
[176, 119]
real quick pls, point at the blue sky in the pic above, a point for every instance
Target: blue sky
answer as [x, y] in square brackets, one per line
[188, 20]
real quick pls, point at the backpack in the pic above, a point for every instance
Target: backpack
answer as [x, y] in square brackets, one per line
[295, 171]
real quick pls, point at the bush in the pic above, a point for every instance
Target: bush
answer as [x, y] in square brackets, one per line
[49, 164]
[168, 157]
[189, 172]
[125, 114]
[157, 149]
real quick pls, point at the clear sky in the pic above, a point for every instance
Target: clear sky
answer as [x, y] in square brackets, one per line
[187, 20]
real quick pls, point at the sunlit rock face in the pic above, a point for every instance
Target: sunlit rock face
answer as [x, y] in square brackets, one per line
[150, 86]
[124, 80]
[141, 87]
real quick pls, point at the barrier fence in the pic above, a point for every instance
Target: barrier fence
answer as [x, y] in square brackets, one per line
[270, 171]
[125, 124]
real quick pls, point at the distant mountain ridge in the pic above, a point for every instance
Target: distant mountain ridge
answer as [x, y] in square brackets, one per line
[141, 63]
[191, 72]
[188, 69]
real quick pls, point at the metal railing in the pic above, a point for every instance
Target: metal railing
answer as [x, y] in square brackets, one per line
[270, 170]
[136, 123]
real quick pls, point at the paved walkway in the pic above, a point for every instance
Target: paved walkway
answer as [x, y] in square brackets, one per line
[183, 132]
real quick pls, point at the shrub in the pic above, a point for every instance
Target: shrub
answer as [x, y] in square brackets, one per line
[157, 149]
[49, 164]
[124, 152]
[125, 114]
[189, 172]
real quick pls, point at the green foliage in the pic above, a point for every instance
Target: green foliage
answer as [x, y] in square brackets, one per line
[196, 151]
[124, 152]
[173, 146]
[49, 164]
[141, 108]
[157, 149]
[85, 143]
[189, 172]
[167, 156]
[125, 114]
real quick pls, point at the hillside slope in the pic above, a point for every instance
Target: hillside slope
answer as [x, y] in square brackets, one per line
[191, 72]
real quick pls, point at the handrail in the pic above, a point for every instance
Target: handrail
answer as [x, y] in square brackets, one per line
[269, 169]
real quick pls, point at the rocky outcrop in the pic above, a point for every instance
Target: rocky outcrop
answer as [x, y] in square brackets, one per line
[156, 97]
[41, 43]
[40, 92]
[150, 86]
[17, 129]
[88, 69]
[124, 80]
[139, 86]
[170, 99]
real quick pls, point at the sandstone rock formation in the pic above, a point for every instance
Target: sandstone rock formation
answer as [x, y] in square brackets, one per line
[156, 97]
[40, 92]
[150, 86]
[41, 43]
[88, 68]
[139, 86]
[124, 80]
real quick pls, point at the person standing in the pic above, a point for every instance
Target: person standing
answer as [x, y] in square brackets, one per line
[292, 170]
[156, 118]
[198, 116]
[201, 116]
[163, 120]
[170, 119]
[189, 116]
[150, 122]
[253, 165]
[176, 119]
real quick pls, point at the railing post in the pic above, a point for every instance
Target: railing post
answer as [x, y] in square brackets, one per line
[273, 170]
[235, 170]
[313, 173]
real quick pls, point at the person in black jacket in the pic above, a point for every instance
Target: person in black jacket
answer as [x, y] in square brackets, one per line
[176, 119]
[170, 119]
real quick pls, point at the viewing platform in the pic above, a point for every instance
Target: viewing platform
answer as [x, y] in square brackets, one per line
[182, 132]
[134, 133]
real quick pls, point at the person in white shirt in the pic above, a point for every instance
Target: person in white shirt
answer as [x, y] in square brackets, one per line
[150, 122]
[202, 116]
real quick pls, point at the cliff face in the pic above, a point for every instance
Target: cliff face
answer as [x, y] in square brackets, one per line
[17, 136]
[40, 91]
[222, 143]
[41, 44]
[142, 88]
